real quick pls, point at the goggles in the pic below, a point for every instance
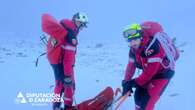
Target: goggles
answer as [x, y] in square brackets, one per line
[132, 34]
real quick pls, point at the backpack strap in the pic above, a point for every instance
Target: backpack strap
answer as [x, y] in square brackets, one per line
[68, 28]
[167, 46]
[71, 34]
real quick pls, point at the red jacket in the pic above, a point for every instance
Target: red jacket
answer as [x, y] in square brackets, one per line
[150, 62]
[59, 47]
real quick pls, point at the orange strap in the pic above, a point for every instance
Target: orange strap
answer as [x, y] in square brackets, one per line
[121, 99]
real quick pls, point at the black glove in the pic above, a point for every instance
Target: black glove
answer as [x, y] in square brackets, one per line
[128, 85]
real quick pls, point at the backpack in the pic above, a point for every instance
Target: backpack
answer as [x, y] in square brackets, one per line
[52, 27]
[155, 30]
[54, 32]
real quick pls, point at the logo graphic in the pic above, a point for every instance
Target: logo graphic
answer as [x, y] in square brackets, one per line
[37, 99]
[20, 98]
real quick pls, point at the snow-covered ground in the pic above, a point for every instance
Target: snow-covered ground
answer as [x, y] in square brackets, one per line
[99, 64]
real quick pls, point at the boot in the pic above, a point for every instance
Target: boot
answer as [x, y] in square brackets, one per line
[56, 106]
[67, 107]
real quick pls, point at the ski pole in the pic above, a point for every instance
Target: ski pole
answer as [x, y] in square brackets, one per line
[121, 100]
[43, 38]
[74, 99]
[44, 41]
[37, 60]
[75, 103]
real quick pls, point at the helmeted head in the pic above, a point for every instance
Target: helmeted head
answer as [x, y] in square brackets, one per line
[133, 35]
[80, 19]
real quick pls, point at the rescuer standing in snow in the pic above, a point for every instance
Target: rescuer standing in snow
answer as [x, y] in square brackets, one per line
[61, 51]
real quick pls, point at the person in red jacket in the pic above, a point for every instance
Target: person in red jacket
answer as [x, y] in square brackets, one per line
[149, 54]
[61, 50]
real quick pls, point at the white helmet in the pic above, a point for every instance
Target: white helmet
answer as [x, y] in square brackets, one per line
[81, 17]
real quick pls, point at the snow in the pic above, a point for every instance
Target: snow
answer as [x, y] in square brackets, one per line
[102, 52]
[99, 64]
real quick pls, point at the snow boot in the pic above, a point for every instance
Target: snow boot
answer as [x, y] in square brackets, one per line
[56, 106]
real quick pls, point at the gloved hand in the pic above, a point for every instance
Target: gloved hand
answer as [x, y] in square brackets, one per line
[128, 85]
